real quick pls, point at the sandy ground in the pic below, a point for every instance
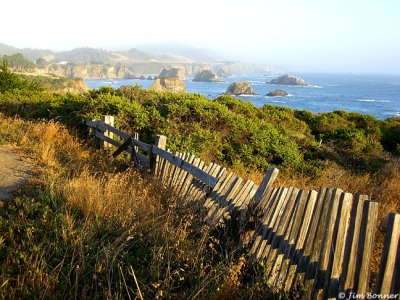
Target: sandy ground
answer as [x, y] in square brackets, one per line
[14, 172]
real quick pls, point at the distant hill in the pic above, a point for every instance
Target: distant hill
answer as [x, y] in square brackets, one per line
[168, 53]
[195, 54]
[32, 54]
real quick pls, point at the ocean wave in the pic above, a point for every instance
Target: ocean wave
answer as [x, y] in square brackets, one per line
[256, 81]
[314, 86]
[392, 114]
[244, 95]
[277, 101]
[288, 95]
[374, 100]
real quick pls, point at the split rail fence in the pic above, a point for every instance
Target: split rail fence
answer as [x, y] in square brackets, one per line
[321, 240]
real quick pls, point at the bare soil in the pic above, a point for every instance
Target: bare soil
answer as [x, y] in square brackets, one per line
[14, 172]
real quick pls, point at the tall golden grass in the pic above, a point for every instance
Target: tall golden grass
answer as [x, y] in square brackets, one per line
[83, 229]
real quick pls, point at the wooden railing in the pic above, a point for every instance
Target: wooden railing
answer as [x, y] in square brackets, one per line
[319, 241]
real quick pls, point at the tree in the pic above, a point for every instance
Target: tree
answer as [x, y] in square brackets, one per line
[41, 62]
[10, 81]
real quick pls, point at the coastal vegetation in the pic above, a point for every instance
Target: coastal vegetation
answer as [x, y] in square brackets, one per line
[67, 235]
[225, 130]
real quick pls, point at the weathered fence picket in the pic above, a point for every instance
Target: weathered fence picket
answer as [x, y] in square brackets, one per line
[389, 275]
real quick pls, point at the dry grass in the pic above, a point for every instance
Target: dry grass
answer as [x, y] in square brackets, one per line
[83, 229]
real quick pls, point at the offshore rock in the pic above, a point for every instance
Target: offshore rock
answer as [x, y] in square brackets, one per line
[174, 85]
[172, 73]
[277, 93]
[240, 88]
[289, 80]
[170, 80]
[206, 76]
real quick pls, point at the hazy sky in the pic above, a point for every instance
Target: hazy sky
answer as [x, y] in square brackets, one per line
[360, 36]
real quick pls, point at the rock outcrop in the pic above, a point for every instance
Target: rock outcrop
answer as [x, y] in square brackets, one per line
[289, 80]
[240, 88]
[170, 80]
[178, 73]
[206, 76]
[174, 85]
[277, 93]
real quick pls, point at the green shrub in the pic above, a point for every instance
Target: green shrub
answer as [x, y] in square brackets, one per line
[226, 130]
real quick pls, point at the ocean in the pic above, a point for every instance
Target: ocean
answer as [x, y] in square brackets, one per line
[377, 95]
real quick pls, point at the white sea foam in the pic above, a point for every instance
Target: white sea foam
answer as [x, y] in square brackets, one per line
[256, 81]
[373, 100]
[288, 95]
[277, 101]
[244, 95]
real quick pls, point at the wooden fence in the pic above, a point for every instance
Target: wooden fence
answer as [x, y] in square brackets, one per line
[319, 241]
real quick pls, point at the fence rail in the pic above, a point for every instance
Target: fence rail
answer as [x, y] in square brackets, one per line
[321, 241]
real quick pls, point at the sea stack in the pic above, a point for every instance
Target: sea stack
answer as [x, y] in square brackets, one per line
[170, 80]
[172, 73]
[240, 88]
[289, 80]
[206, 76]
[277, 93]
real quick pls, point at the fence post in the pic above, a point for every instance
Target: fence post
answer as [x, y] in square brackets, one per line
[267, 181]
[109, 120]
[389, 279]
[160, 142]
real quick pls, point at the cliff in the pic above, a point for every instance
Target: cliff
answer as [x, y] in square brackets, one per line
[89, 71]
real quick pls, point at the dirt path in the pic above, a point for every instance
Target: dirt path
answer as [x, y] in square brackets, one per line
[14, 172]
